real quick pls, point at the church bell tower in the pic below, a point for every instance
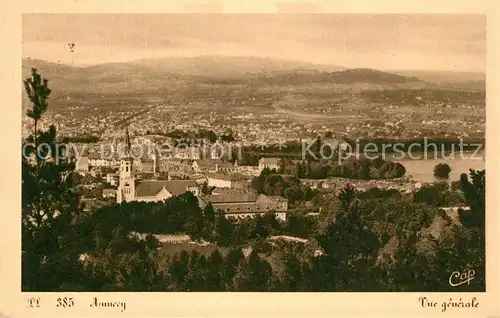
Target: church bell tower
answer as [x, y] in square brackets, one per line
[126, 187]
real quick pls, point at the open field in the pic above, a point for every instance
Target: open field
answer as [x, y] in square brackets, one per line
[169, 249]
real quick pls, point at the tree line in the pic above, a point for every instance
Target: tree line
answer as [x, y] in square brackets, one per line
[351, 168]
[81, 139]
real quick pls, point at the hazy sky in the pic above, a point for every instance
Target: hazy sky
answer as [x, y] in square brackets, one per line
[431, 42]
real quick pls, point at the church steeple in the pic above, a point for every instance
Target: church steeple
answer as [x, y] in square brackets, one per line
[126, 187]
[127, 144]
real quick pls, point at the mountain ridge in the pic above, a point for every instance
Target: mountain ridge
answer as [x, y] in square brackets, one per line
[153, 74]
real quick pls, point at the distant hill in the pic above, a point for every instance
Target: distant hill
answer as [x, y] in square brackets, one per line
[45, 66]
[371, 76]
[60, 75]
[104, 78]
[308, 76]
[458, 80]
[153, 74]
[227, 66]
[173, 74]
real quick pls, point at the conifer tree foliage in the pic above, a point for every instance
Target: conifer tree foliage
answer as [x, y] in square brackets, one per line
[254, 275]
[474, 221]
[294, 276]
[350, 250]
[50, 206]
[474, 191]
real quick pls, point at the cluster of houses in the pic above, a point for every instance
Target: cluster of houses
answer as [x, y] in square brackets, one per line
[151, 164]
[231, 194]
[95, 162]
[230, 183]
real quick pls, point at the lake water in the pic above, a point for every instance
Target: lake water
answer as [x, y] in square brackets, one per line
[423, 169]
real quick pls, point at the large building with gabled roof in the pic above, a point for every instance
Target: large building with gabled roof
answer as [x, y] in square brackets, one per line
[240, 205]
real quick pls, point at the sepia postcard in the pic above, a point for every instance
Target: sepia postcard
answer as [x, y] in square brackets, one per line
[195, 159]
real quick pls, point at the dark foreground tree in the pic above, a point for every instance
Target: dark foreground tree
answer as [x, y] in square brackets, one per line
[350, 250]
[50, 205]
[460, 245]
[442, 170]
[474, 191]
[254, 274]
[474, 220]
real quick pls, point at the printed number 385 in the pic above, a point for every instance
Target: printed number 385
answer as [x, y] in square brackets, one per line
[65, 302]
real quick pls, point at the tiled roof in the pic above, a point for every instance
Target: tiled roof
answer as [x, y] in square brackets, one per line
[246, 203]
[228, 177]
[263, 199]
[225, 165]
[231, 197]
[152, 187]
[269, 161]
[176, 187]
[277, 198]
[146, 158]
[221, 191]
[208, 162]
[248, 207]
[149, 188]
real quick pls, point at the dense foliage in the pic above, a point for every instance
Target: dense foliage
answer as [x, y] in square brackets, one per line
[270, 183]
[396, 147]
[442, 170]
[81, 139]
[351, 168]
